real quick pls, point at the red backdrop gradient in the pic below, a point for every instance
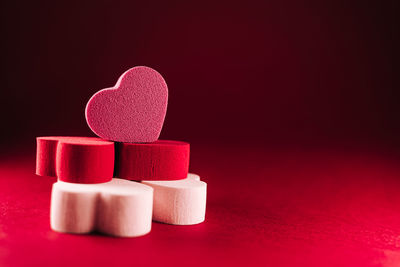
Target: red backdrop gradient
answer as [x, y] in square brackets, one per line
[291, 70]
[290, 107]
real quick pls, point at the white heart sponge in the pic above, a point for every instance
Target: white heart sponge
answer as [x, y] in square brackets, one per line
[181, 202]
[119, 208]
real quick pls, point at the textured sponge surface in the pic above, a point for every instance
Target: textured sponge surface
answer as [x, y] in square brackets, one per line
[181, 202]
[75, 159]
[118, 208]
[131, 111]
[160, 160]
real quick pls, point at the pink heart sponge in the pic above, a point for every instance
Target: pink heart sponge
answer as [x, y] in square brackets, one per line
[131, 111]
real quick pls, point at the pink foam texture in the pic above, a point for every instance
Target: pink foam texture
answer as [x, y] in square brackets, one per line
[131, 111]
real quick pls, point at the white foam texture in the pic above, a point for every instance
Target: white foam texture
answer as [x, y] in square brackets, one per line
[118, 208]
[181, 202]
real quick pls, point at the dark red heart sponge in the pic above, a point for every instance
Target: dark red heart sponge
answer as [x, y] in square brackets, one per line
[160, 160]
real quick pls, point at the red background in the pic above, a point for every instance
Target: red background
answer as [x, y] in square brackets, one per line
[290, 107]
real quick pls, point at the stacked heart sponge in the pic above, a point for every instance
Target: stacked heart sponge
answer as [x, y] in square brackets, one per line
[152, 181]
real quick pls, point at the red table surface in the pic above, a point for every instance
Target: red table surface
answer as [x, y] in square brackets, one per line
[266, 207]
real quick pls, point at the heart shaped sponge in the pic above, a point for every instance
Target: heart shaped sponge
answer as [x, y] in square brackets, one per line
[75, 159]
[160, 160]
[181, 202]
[131, 111]
[117, 208]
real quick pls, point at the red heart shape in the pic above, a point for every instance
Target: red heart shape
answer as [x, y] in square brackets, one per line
[131, 111]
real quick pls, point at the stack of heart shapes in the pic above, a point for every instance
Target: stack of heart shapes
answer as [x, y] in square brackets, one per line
[118, 183]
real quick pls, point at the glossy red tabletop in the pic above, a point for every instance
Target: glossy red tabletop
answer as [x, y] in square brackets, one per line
[266, 207]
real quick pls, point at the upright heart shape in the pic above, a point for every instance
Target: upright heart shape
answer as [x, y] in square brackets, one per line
[131, 111]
